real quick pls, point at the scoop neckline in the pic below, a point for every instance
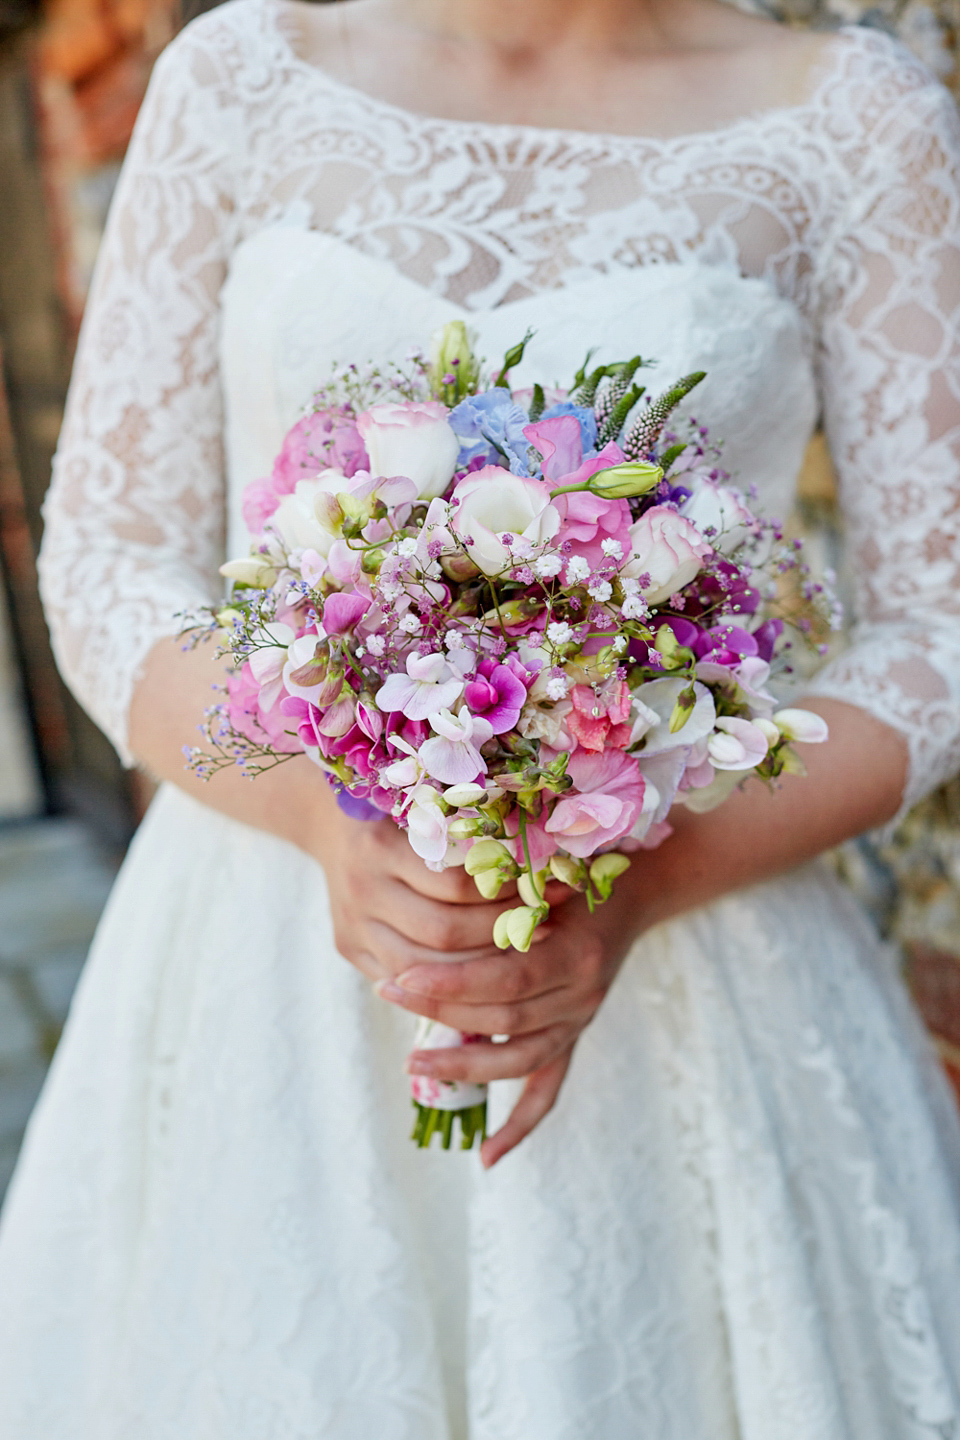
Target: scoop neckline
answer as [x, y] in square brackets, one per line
[548, 132]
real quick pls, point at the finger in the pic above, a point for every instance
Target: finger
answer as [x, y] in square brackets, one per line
[520, 1018]
[479, 1063]
[503, 976]
[538, 1099]
[436, 924]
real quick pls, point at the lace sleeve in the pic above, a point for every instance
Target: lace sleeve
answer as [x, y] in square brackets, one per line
[890, 366]
[134, 515]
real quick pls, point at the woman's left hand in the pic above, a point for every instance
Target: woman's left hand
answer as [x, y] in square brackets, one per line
[542, 1000]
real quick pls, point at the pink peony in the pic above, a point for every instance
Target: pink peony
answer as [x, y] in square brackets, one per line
[603, 806]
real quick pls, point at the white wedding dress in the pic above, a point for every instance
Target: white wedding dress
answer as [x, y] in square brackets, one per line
[742, 1220]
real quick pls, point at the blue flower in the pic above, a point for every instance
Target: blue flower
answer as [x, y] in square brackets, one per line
[495, 418]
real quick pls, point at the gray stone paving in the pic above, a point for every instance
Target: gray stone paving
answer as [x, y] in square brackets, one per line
[54, 880]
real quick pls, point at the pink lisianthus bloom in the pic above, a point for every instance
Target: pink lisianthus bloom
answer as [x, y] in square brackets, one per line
[269, 726]
[604, 804]
[599, 720]
[323, 440]
[497, 693]
[587, 520]
[666, 549]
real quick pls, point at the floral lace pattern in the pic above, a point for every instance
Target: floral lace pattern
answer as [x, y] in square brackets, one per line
[848, 204]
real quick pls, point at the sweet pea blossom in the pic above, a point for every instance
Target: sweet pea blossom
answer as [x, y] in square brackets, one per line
[452, 755]
[267, 661]
[661, 696]
[414, 439]
[498, 693]
[427, 825]
[599, 716]
[737, 744]
[803, 725]
[491, 503]
[429, 686]
[667, 548]
[605, 802]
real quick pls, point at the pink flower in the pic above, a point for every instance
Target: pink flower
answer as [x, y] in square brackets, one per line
[429, 686]
[604, 805]
[497, 693]
[452, 755]
[496, 508]
[269, 726]
[599, 720]
[666, 548]
[325, 439]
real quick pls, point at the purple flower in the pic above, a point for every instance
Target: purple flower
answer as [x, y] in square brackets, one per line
[497, 694]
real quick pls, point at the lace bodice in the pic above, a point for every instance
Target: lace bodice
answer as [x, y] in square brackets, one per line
[847, 206]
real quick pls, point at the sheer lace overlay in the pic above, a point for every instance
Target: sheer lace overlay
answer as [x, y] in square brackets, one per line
[847, 205]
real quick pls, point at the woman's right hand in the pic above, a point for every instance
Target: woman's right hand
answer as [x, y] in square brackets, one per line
[389, 911]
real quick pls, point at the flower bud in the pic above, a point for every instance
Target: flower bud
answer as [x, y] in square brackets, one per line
[531, 890]
[516, 927]
[682, 709]
[489, 883]
[465, 827]
[571, 872]
[253, 572]
[487, 855]
[459, 796]
[620, 482]
[451, 354]
[605, 870]
[802, 725]
[226, 617]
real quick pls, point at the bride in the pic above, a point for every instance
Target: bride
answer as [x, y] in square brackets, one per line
[722, 1199]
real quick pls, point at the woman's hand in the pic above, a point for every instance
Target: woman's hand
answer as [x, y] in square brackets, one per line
[542, 1000]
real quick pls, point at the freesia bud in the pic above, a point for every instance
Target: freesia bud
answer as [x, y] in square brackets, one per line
[252, 571]
[459, 796]
[487, 855]
[802, 725]
[620, 482]
[605, 870]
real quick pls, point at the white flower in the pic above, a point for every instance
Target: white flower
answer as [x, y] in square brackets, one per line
[301, 518]
[559, 632]
[494, 503]
[411, 624]
[452, 755]
[548, 566]
[267, 664]
[619, 644]
[736, 744]
[578, 570]
[802, 725]
[428, 687]
[536, 723]
[427, 825]
[600, 590]
[612, 548]
[660, 696]
[634, 608]
[407, 546]
[667, 548]
[558, 688]
[719, 512]
[376, 644]
[413, 439]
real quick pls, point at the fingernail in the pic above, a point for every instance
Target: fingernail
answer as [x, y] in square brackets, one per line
[416, 1066]
[408, 981]
[387, 990]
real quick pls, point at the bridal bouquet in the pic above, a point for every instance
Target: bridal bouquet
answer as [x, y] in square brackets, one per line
[523, 624]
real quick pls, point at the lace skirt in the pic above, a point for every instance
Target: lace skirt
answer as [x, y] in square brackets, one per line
[741, 1221]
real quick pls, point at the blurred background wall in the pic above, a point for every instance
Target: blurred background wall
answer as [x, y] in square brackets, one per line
[72, 75]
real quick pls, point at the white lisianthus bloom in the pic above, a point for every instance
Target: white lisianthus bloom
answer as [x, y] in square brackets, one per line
[719, 512]
[667, 548]
[411, 438]
[494, 503]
